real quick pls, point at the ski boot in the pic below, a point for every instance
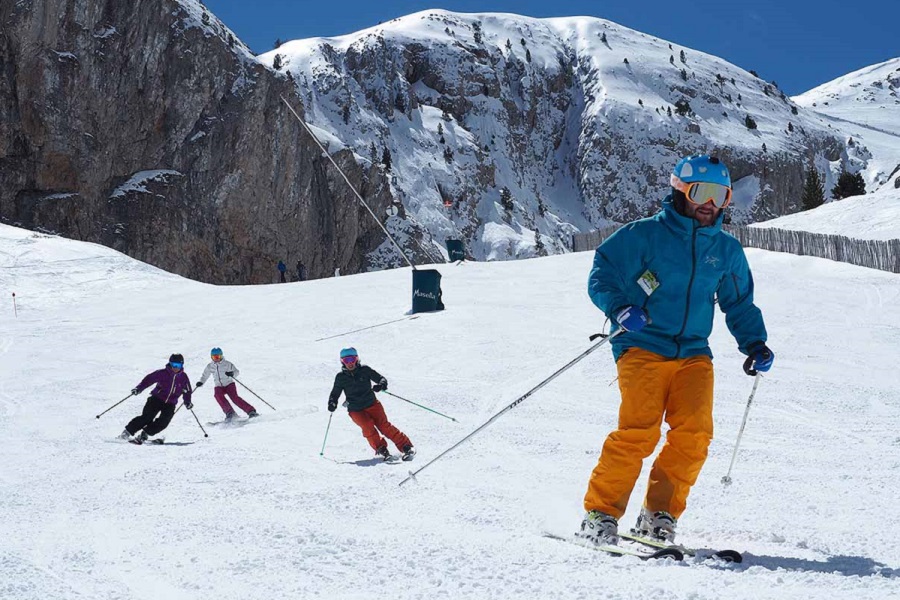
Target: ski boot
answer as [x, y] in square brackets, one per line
[408, 452]
[229, 417]
[124, 435]
[139, 438]
[600, 528]
[252, 414]
[658, 525]
[384, 453]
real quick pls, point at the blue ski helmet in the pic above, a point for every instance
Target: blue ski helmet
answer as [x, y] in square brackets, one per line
[216, 351]
[349, 352]
[705, 168]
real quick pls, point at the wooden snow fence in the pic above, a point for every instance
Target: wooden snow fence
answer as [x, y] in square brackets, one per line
[883, 255]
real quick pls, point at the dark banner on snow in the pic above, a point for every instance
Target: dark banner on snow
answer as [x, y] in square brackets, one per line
[456, 250]
[426, 291]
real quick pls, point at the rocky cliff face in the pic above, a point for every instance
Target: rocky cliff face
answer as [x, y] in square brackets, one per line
[150, 128]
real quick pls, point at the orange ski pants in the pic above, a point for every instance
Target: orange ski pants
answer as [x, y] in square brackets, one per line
[654, 387]
[372, 420]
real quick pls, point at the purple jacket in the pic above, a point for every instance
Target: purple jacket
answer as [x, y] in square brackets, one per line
[169, 385]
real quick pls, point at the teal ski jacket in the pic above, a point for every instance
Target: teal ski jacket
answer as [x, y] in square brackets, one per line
[676, 271]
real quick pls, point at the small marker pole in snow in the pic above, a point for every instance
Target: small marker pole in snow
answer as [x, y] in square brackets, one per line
[254, 393]
[726, 481]
[115, 405]
[322, 451]
[15, 310]
[419, 405]
[518, 401]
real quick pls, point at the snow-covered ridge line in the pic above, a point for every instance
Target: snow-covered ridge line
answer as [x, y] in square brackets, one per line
[512, 132]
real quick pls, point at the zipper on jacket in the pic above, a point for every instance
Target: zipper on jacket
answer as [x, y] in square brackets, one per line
[687, 303]
[172, 389]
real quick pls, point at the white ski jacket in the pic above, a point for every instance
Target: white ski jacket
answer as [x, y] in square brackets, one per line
[217, 370]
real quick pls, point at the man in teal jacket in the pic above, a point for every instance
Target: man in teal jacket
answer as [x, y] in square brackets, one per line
[659, 279]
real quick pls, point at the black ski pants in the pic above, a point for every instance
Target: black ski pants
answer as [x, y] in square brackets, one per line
[145, 421]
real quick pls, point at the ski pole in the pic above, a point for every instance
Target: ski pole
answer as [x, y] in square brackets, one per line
[727, 479]
[115, 405]
[420, 406]
[254, 393]
[15, 310]
[322, 451]
[519, 400]
[198, 422]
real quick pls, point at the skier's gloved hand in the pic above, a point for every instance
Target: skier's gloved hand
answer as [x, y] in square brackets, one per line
[198, 384]
[632, 318]
[229, 373]
[135, 392]
[383, 383]
[332, 404]
[189, 405]
[759, 360]
[377, 387]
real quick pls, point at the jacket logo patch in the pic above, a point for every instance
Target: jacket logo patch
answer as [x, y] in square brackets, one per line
[712, 260]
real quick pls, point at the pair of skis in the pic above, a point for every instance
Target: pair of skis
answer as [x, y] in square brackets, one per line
[656, 549]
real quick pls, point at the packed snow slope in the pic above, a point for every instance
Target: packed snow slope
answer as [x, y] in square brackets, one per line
[873, 216]
[253, 512]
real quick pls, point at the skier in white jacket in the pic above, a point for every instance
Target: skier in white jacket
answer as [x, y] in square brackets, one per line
[223, 373]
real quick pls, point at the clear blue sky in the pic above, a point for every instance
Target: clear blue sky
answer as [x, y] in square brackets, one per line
[798, 43]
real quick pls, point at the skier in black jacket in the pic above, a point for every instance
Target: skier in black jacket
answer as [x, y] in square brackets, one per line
[355, 380]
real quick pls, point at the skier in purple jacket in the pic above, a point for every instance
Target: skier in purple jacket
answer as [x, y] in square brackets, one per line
[171, 382]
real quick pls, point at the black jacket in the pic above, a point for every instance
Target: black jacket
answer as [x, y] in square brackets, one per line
[357, 385]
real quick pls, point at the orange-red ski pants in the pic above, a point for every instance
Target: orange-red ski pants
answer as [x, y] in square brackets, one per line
[372, 420]
[654, 387]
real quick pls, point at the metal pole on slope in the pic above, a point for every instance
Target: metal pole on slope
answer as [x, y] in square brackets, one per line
[254, 393]
[727, 479]
[322, 451]
[519, 400]
[115, 405]
[15, 310]
[341, 171]
[419, 405]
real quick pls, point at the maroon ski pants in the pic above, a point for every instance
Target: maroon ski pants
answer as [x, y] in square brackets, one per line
[231, 390]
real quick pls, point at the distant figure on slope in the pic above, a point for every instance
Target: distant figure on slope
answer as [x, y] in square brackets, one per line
[354, 380]
[171, 382]
[282, 268]
[223, 373]
[301, 271]
[659, 279]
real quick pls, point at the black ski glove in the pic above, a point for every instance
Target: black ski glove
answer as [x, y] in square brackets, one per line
[332, 404]
[381, 385]
[135, 392]
[198, 384]
[760, 359]
[189, 405]
[229, 373]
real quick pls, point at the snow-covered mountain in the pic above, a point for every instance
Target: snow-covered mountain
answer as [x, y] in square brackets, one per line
[864, 106]
[580, 119]
[254, 513]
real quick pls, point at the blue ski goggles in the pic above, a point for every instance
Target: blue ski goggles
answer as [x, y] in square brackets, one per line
[176, 365]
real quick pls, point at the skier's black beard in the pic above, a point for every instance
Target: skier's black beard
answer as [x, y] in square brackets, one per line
[678, 201]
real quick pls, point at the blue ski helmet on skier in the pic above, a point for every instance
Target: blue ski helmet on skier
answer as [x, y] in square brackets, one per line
[349, 355]
[216, 351]
[703, 178]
